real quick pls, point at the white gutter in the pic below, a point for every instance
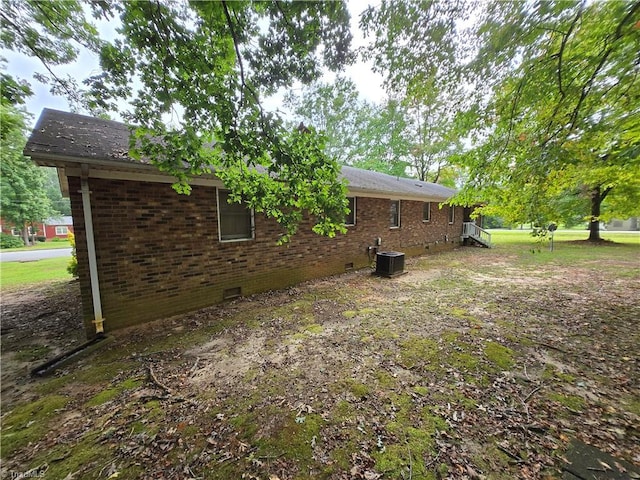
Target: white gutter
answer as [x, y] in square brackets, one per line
[91, 249]
[368, 193]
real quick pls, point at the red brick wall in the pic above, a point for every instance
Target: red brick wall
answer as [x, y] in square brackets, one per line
[158, 252]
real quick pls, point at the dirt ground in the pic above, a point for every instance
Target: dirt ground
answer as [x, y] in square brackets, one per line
[474, 364]
[38, 323]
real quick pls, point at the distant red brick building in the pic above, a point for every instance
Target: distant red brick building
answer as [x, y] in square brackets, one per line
[55, 227]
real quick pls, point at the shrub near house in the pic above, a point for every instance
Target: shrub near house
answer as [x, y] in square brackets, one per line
[10, 241]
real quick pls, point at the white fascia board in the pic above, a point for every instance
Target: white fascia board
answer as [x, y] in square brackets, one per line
[143, 177]
[114, 170]
[359, 192]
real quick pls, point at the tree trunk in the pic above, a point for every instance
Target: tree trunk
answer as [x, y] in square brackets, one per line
[25, 235]
[597, 197]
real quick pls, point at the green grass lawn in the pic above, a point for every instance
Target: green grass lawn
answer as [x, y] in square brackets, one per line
[14, 274]
[41, 246]
[503, 237]
[571, 249]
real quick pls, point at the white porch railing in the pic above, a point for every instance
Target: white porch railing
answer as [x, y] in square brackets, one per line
[471, 230]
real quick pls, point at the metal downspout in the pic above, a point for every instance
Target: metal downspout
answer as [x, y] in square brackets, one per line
[91, 250]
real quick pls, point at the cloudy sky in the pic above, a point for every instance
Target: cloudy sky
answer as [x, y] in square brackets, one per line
[23, 67]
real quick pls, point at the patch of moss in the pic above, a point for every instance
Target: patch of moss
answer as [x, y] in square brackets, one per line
[499, 355]
[359, 390]
[29, 422]
[341, 455]
[98, 371]
[450, 336]
[385, 334]
[279, 433]
[520, 339]
[32, 353]
[314, 328]
[420, 390]
[297, 311]
[385, 380]
[51, 385]
[418, 351]
[551, 373]
[103, 397]
[572, 402]
[250, 375]
[632, 404]
[410, 441]
[460, 313]
[111, 393]
[462, 360]
[247, 424]
[397, 460]
[86, 458]
[343, 411]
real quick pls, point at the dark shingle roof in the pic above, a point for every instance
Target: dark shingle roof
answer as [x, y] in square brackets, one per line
[390, 186]
[69, 137]
[72, 135]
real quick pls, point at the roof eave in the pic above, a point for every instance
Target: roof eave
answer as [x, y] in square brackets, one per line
[363, 192]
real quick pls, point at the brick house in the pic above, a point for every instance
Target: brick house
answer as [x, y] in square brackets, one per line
[55, 227]
[58, 227]
[145, 252]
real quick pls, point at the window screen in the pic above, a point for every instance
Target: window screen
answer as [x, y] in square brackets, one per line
[351, 216]
[235, 220]
[394, 219]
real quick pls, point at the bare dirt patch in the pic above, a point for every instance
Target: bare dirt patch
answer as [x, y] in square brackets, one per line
[475, 364]
[38, 322]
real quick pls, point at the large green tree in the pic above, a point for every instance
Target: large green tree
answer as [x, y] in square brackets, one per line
[565, 112]
[418, 48]
[52, 32]
[194, 75]
[59, 204]
[382, 142]
[357, 132]
[548, 98]
[336, 110]
[23, 201]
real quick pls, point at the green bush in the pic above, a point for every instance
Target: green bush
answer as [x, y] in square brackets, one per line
[72, 267]
[41, 239]
[9, 241]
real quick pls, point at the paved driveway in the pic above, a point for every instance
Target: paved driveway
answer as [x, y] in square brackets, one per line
[31, 255]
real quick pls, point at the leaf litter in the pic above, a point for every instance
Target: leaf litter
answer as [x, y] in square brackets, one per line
[440, 373]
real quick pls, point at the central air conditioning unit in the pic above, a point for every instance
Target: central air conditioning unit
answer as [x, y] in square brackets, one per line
[389, 264]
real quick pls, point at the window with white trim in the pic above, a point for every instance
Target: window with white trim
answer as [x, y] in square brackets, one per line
[62, 230]
[452, 214]
[351, 216]
[394, 214]
[426, 211]
[235, 220]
